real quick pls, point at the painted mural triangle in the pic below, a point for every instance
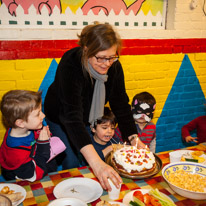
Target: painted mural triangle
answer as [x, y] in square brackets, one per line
[48, 79]
[184, 103]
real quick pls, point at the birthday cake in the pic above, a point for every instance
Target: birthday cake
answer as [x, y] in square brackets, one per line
[132, 161]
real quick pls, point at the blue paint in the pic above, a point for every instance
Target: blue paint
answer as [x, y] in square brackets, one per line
[48, 79]
[184, 103]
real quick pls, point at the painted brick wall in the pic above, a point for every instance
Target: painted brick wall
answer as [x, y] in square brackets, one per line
[149, 65]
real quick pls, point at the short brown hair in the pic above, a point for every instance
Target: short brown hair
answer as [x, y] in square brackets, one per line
[144, 97]
[107, 117]
[95, 38]
[17, 104]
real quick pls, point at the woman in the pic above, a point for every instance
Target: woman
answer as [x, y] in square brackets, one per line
[88, 77]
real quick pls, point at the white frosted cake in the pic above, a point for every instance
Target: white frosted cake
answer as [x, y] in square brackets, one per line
[133, 161]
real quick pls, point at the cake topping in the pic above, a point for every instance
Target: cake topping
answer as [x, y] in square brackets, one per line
[133, 159]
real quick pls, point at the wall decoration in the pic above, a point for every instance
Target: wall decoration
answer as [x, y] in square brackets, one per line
[184, 103]
[138, 14]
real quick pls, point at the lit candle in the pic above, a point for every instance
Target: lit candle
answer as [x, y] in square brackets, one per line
[137, 142]
[124, 144]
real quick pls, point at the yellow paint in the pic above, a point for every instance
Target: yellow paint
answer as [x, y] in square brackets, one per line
[153, 5]
[153, 73]
[73, 5]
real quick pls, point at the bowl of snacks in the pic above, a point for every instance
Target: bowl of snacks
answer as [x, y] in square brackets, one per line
[187, 179]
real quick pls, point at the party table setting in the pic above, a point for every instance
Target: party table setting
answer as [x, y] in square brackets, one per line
[79, 186]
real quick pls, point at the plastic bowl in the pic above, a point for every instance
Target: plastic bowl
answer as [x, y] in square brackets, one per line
[188, 167]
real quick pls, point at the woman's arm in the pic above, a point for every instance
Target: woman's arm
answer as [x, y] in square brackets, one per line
[102, 170]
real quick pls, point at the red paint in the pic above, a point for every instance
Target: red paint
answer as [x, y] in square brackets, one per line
[56, 48]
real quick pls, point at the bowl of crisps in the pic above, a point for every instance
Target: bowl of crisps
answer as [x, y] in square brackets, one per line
[187, 179]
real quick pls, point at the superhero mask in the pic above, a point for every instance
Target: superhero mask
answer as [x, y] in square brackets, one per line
[140, 109]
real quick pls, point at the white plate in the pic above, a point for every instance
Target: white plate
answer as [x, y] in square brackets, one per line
[129, 196]
[120, 204]
[182, 152]
[16, 188]
[67, 201]
[86, 189]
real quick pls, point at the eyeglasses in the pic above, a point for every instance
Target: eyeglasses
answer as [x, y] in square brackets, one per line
[103, 59]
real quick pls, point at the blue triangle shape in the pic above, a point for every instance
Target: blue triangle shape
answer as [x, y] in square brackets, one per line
[184, 103]
[48, 79]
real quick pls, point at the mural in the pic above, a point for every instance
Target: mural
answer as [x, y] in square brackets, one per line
[38, 4]
[184, 103]
[147, 14]
[107, 5]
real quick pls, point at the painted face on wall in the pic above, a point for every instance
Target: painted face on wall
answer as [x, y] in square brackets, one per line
[142, 110]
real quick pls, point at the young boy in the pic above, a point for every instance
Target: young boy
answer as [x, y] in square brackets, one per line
[103, 132]
[25, 149]
[143, 106]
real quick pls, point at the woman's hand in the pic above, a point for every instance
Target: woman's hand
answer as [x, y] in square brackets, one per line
[101, 170]
[44, 133]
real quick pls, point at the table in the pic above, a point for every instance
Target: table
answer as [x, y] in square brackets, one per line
[40, 193]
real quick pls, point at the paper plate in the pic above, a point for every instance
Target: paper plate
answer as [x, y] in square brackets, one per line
[67, 201]
[16, 188]
[85, 189]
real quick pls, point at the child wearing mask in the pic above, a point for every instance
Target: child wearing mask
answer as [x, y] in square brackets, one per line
[143, 106]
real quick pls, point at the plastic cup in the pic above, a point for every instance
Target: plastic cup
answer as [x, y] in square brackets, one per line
[175, 156]
[114, 193]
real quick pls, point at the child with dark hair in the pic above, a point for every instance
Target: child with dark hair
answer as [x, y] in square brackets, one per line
[143, 106]
[103, 132]
[25, 151]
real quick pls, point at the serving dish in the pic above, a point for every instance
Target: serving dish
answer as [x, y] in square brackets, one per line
[129, 196]
[188, 154]
[150, 174]
[190, 167]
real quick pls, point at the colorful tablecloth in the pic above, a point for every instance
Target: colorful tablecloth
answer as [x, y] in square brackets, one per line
[41, 192]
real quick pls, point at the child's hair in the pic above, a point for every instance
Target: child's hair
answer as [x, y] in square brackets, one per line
[107, 117]
[17, 104]
[144, 97]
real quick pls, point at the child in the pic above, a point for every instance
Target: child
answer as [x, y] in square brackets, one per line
[143, 106]
[199, 124]
[26, 148]
[103, 132]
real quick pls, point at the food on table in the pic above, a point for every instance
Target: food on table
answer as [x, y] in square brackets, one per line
[11, 194]
[153, 198]
[188, 181]
[132, 161]
[197, 153]
[194, 156]
[105, 203]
